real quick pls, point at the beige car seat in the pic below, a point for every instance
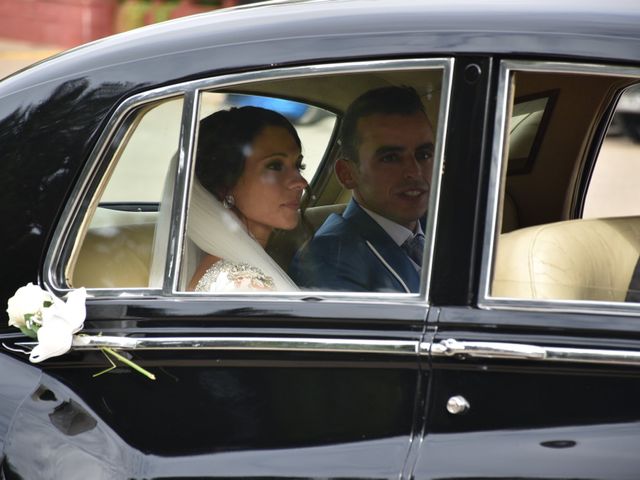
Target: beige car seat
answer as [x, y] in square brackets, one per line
[115, 257]
[592, 259]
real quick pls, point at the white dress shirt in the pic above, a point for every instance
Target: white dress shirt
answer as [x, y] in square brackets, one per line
[397, 232]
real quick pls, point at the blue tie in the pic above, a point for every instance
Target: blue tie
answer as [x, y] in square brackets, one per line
[414, 246]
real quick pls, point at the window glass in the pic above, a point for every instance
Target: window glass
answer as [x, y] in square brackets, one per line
[545, 253]
[121, 237]
[255, 225]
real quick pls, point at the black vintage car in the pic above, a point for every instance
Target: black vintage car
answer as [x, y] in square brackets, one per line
[518, 358]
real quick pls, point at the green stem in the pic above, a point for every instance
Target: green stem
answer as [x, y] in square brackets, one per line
[106, 370]
[129, 363]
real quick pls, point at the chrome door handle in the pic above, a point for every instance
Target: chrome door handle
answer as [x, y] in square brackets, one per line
[458, 405]
[454, 348]
[519, 351]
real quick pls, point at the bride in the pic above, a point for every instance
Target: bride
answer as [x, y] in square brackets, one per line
[248, 183]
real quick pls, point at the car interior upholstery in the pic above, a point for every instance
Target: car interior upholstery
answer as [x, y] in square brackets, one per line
[583, 259]
[547, 192]
[115, 257]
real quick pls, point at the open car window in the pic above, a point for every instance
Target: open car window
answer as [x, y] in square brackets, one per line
[223, 252]
[545, 248]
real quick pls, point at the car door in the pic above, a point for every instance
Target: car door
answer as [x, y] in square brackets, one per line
[306, 384]
[539, 379]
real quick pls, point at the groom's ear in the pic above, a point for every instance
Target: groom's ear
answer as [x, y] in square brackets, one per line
[345, 173]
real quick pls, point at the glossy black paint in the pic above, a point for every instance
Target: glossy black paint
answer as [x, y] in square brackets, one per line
[460, 218]
[217, 414]
[532, 421]
[211, 414]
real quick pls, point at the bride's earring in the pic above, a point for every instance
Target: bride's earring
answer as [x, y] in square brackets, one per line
[228, 201]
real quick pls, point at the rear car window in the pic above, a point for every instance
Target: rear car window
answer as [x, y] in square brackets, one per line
[119, 235]
[544, 249]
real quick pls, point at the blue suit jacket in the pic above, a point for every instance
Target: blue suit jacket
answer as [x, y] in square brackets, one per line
[353, 253]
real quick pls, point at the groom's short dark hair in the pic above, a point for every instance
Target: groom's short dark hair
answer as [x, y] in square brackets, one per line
[394, 100]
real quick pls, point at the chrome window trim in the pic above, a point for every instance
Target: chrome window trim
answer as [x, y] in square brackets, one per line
[496, 180]
[248, 343]
[190, 90]
[438, 169]
[54, 257]
[449, 348]
[496, 174]
[178, 224]
[591, 307]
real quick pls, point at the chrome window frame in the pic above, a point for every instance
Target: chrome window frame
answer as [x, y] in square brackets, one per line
[497, 181]
[64, 235]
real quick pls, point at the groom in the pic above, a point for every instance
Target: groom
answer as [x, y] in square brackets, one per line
[376, 245]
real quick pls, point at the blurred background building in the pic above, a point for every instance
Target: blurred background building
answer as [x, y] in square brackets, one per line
[69, 23]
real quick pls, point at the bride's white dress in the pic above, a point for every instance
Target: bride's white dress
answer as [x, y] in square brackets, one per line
[226, 276]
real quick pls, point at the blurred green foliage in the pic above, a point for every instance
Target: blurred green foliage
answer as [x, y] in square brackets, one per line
[137, 13]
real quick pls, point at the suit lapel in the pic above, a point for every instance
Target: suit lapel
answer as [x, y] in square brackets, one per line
[393, 257]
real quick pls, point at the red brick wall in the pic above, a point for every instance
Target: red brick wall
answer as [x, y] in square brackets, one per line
[64, 23]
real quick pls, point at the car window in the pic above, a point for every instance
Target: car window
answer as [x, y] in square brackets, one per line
[548, 252]
[116, 245]
[143, 205]
[226, 248]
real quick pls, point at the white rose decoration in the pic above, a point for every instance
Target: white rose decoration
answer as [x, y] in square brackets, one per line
[28, 300]
[60, 322]
[54, 322]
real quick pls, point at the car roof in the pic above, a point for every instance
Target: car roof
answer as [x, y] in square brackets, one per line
[274, 33]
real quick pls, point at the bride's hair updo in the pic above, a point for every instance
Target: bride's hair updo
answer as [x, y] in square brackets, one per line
[224, 140]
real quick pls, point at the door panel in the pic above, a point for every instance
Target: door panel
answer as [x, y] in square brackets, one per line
[537, 418]
[218, 413]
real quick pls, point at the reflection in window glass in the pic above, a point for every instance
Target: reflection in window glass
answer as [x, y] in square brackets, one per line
[123, 237]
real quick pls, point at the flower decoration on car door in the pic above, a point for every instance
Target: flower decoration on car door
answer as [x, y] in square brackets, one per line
[54, 323]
